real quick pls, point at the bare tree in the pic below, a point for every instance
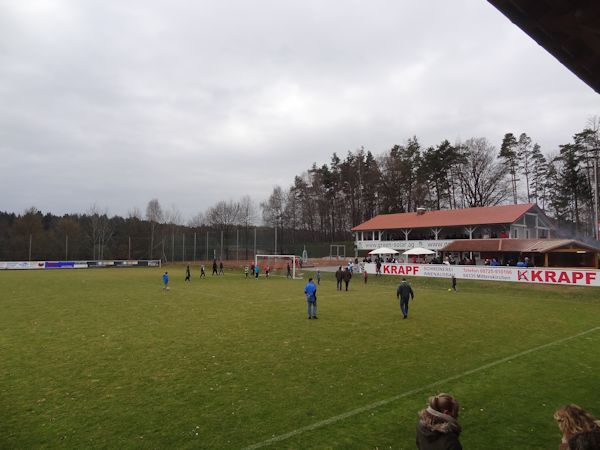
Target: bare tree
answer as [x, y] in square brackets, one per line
[482, 179]
[224, 216]
[100, 230]
[197, 221]
[154, 215]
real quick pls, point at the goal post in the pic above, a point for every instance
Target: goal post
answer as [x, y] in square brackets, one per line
[334, 251]
[279, 262]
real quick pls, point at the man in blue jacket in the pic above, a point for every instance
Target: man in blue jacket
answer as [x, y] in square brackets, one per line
[403, 293]
[311, 298]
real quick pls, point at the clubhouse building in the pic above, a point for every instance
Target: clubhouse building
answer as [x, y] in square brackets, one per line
[507, 233]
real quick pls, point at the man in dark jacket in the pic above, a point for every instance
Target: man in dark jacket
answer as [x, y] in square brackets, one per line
[438, 427]
[404, 293]
[338, 277]
[347, 275]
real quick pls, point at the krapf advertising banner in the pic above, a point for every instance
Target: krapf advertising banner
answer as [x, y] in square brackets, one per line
[542, 275]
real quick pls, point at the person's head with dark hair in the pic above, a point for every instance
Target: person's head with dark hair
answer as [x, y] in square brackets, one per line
[309, 280]
[573, 422]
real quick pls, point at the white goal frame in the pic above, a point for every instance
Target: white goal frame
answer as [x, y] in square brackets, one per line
[337, 248]
[292, 257]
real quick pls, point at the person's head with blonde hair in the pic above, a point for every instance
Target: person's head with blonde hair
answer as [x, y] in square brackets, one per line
[438, 423]
[573, 419]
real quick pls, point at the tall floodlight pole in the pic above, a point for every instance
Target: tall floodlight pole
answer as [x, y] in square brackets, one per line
[129, 248]
[173, 247]
[221, 256]
[237, 245]
[254, 242]
[66, 247]
[596, 224]
[183, 247]
[30, 238]
[207, 245]
[275, 252]
[194, 246]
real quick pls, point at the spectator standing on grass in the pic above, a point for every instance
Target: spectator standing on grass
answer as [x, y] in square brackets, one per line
[187, 273]
[221, 268]
[202, 271]
[404, 293]
[318, 277]
[165, 280]
[310, 290]
[438, 427]
[256, 271]
[453, 282]
[246, 270]
[347, 275]
[365, 276]
[378, 267]
[580, 430]
[215, 272]
[339, 276]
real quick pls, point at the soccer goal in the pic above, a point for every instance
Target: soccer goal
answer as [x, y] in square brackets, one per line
[337, 251]
[278, 265]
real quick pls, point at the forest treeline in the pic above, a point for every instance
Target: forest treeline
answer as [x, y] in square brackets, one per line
[324, 202]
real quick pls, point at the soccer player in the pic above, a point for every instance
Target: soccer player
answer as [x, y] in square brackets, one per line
[221, 268]
[403, 293]
[365, 276]
[165, 279]
[318, 277]
[215, 268]
[187, 273]
[202, 272]
[256, 271]
[267, 270]
[289, 271]
[246, 270]
[311, 298]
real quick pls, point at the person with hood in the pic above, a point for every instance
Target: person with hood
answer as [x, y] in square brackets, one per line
[403, 293]
[338, 277]
[438, 427]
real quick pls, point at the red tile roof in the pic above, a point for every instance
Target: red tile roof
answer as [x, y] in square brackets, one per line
[448, 218]
[515, 245]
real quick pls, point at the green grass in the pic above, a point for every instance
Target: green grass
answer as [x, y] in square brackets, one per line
[106, 359]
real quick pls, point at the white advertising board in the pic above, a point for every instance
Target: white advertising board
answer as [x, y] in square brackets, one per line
[403, 245]
[542, 275]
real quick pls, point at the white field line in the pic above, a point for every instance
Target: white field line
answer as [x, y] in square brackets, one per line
[374, 405]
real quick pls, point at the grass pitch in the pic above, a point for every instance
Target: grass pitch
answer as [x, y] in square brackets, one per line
[106, 359]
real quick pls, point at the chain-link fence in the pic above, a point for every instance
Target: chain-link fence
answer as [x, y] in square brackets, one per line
[169, 245]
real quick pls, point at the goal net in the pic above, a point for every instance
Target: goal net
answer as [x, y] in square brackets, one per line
[278, 265]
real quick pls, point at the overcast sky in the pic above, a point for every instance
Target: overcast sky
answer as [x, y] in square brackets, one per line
[117, 102]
